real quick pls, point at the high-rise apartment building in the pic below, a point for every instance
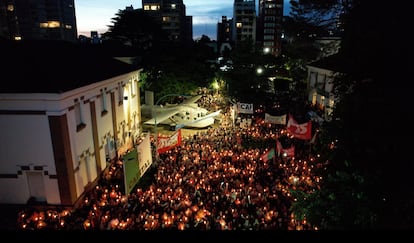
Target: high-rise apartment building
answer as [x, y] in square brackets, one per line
[244, 18]
[172, 16]
[224, 30]
[269, 27]
[9, 28]
[224, 34]
[38, 19]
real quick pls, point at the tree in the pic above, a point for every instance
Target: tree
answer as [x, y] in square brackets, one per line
[165, 64]
[343, 202]
[135, 28]
[309, 20]
[364, 128]
[312, 18]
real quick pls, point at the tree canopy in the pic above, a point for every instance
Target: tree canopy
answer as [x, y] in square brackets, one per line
[370, 165]
[135, 28]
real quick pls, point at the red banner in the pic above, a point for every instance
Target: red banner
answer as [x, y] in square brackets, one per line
[301, 131]
[166, 143]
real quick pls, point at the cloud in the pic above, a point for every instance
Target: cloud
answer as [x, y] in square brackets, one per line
[97, 14]
[200, 20]
[211, 8]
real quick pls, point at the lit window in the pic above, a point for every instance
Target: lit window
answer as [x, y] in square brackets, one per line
[43, 25]
[50, 24]
[53, 24]
[10, 7]
[151, 7]
[17, 38]
[68, 26]
[79, 116]
[173, 6]
[239, 25]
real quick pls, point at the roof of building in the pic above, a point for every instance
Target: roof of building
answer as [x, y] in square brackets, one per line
[54, 66]
[335, 62]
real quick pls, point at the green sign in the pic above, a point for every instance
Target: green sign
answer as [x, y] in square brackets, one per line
[131, 170]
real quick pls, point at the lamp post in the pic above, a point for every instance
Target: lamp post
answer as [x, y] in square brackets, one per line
[155, 120]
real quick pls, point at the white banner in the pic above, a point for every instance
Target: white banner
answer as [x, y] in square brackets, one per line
[275, 119]
[245, 108]
[144, 154]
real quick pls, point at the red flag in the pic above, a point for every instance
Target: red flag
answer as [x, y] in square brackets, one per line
[301, 131]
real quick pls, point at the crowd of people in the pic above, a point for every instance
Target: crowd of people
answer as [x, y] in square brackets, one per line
[214, 180]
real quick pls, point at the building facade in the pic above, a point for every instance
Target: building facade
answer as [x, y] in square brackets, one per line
[320, 85]
[244, 20]
[224, 34]
[172, 16]
[55, 143]
[38, 20]
[269, 26]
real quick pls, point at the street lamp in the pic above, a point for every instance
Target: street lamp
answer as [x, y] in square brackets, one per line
[259, 70]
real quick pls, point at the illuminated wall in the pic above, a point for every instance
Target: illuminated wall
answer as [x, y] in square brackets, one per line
[54, 145]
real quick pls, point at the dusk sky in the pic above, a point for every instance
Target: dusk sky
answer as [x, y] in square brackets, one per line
[96, 14]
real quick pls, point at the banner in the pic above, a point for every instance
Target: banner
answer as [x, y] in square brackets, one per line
[245, 108]
[131, 170]
[144, 154]
[268, 155]
[275, 119]
[300, 131]
[166, 143]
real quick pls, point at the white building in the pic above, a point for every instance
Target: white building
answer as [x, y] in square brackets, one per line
[55, 143]
[320, 86]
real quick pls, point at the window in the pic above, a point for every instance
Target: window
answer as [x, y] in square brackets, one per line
[134, 87]
[312, 78]
[80, 124]
[104, 109]
[120, 94]
[151, 7]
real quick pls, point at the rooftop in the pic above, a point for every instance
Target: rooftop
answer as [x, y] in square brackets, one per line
[335, 62]
[55, 66]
